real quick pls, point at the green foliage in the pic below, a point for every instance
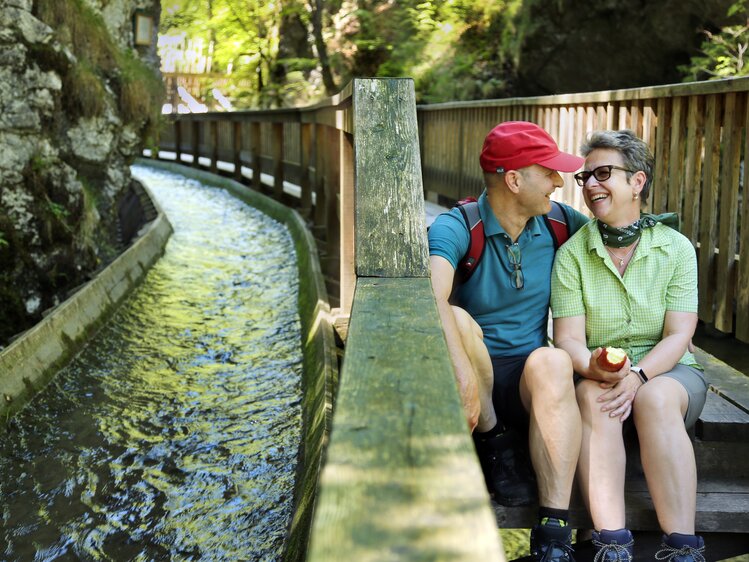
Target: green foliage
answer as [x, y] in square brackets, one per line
[60, 212]
[3, 242]
[454, 49]
[722, 54]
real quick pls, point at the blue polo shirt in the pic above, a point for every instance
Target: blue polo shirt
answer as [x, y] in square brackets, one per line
[514, 320]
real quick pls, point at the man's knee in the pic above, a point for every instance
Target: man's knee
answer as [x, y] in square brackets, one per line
[548, 371]
[466, 324]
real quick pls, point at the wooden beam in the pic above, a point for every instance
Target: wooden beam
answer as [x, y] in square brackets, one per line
[402, 481]
[390, 227]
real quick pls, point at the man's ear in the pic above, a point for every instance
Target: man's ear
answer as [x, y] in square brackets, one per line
[512, 179]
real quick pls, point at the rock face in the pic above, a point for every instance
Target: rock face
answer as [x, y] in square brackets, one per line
[68, 136]
[590, 45]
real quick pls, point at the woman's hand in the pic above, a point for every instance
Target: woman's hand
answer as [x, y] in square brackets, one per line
[618, 398]
[610, 378]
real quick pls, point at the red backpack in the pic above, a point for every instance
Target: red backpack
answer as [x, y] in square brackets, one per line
[556, 221]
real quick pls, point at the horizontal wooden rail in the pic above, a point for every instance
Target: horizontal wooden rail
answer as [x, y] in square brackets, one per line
[697, 132]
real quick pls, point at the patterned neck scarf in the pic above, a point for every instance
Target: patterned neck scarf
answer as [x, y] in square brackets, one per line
[622, 236]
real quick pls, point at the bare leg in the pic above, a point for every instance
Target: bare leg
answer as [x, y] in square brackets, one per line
[472, 339]
[548, 393]
[602, 465]
[667, 453]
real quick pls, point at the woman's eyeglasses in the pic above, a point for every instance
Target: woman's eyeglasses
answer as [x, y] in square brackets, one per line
[513, 252]
[602, 173]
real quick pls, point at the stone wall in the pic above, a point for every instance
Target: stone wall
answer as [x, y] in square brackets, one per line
[68, 134]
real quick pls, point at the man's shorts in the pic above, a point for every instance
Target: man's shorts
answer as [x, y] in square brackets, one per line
[506, 392]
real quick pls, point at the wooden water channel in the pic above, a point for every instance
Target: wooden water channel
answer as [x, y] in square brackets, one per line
[401, 480]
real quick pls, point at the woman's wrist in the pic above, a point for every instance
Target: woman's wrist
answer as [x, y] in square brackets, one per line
[640, 373]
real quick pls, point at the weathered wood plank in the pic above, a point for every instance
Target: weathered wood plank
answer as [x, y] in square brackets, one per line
[729, 203]
[402, 480]
[722, 510]
[708, 212]
[693, 168]
[390, 227]
[742, 283]
[729, 383]
[722, 421]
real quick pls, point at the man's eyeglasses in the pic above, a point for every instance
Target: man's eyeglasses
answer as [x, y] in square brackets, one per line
[513, 252]
[602, 173]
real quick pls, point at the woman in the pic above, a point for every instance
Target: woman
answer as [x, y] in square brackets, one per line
[627, 280]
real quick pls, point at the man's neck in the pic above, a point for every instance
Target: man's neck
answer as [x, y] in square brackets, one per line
[508, 213]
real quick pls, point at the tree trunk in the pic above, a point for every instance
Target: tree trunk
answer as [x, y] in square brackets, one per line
[322, 50]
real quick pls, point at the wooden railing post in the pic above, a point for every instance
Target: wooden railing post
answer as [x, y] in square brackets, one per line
[256, 162]
[307, 144]
[278, 174]
[401, 480]
[346, 221]
[178, 139]
[195, 143]
[237, 149]
[213, 131]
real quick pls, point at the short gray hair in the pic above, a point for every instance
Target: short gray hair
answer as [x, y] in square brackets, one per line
[635, 153]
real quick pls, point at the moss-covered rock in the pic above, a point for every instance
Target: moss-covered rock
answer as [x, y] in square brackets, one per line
[70, 124]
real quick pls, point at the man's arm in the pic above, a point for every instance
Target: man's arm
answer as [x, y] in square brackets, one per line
[443, 276]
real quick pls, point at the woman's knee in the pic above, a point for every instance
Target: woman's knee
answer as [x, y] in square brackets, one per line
[659, 400]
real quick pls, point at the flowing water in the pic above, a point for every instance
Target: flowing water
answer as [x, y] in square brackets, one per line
[173, 435]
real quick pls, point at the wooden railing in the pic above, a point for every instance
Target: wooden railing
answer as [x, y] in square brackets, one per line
[302, 157]
[698, 133]
[401, 479]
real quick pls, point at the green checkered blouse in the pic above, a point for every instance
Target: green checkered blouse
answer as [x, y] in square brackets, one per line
[629, 311]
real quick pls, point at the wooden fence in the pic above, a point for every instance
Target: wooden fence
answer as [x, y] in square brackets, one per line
[698, 133]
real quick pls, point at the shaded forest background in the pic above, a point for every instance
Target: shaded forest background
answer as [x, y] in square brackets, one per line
[295, 52]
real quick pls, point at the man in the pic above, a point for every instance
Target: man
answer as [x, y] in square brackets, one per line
[496, 332]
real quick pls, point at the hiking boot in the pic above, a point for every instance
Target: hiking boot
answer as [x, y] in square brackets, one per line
[551, 541]
[507, 469]
[682, 548]
[613, 546]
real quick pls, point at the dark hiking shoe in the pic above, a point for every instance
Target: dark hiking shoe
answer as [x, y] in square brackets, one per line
[613, 546]
[551, 541]
[507, 469]
[682, 548]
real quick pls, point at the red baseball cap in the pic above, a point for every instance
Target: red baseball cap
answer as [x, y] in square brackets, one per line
[516, 144]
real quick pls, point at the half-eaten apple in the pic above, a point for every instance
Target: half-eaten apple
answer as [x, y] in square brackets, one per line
[612, 358]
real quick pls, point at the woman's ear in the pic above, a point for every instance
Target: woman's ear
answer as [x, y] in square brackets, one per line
[638, 180]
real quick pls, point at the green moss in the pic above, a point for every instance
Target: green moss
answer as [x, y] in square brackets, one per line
[139, 89]
[83, 92]
[141, 93]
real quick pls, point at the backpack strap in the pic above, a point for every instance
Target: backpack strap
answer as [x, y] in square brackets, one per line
[469, 208]
[558, 225]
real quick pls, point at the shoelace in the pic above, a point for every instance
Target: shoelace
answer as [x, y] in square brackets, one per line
[567, 549]
[669, 553]
[622, 554]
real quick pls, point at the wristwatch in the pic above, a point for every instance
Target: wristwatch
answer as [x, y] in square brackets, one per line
[640, 373]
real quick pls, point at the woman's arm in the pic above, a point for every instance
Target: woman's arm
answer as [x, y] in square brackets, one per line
[678, 329]
[569, 335]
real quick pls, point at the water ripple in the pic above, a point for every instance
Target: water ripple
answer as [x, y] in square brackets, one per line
[173, 435]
